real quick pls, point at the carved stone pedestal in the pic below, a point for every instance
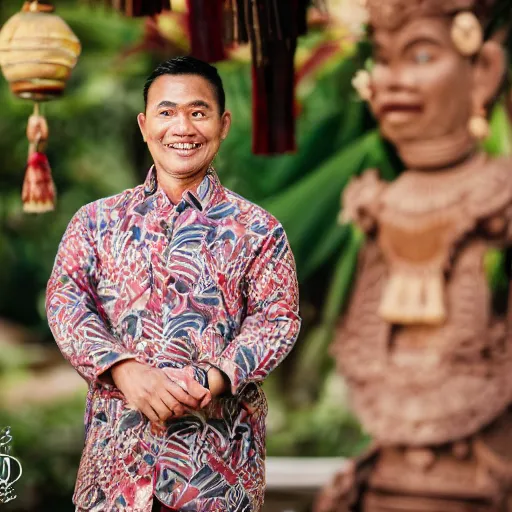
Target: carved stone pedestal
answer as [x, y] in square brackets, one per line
[473, 475]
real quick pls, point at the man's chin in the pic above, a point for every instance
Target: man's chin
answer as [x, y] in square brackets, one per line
[179, 168]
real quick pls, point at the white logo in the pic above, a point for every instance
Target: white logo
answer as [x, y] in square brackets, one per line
[10, 468]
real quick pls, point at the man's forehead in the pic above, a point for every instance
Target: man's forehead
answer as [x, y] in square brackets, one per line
[181, 89]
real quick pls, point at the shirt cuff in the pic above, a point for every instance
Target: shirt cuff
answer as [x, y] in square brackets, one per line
[233, 373]
[103, 374]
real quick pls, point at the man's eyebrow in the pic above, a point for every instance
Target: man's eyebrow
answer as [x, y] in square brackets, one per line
[195, 103]
[199, 103]
[166, 103]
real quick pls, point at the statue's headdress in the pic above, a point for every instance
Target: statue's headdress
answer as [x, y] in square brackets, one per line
[392, 14]
[471, 18]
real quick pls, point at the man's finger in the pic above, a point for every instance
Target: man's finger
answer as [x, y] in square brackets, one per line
[206, 400]
[161, 408]
[196, 390]
[172, 404]
[184, 378]
[181, 395]
[150, 413]
[179, 411]
[169, 413]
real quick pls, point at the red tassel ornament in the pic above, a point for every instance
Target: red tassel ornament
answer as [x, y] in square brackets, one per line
[38, 194]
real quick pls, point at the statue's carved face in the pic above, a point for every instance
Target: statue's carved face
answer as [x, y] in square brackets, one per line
[422, 86]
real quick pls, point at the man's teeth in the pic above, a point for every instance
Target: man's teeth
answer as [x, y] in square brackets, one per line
[183, 145]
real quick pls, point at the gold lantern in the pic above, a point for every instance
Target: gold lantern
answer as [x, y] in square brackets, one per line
[38, 51]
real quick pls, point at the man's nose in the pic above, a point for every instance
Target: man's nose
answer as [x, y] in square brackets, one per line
[183, 126]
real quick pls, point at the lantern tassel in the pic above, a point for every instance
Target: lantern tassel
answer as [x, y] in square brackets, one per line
[38, 193]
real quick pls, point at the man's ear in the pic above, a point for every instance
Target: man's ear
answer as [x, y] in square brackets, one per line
[225, 124]
[488, 74]
[141, 119]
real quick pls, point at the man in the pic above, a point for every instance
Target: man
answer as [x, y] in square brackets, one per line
[174, 300]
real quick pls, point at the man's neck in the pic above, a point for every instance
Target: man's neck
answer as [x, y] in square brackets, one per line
[175, 187]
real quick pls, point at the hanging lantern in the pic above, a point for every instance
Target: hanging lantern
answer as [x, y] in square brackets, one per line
[38, 51]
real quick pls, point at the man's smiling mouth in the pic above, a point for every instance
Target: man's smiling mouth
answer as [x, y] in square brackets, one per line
[184, 145]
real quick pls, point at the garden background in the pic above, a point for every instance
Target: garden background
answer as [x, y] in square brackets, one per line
[96, 150]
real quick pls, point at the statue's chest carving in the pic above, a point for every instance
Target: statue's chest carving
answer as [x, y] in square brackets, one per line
[417, 242]
[418, 245]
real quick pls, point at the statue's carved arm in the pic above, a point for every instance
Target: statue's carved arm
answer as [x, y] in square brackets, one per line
[360, 201]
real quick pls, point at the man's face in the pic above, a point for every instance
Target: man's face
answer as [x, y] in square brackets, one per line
[422, 85]
[182, 124]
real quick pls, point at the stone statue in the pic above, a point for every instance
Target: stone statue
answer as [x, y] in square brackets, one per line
[425, 348]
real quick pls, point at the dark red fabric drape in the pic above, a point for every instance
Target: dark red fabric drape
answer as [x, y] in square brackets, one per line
[273, 101]
[206, 29]
[141, 7]
[273, 27]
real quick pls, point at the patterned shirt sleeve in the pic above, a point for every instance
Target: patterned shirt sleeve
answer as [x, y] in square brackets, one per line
[72, 310]
[272, 323]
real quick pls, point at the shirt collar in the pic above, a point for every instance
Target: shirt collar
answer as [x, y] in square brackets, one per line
[199, 200]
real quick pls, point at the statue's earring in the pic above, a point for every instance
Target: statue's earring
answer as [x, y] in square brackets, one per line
[467, 33]
[362, 84]
[478, 125]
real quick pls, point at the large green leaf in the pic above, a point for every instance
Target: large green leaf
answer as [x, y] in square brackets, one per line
[308, 210]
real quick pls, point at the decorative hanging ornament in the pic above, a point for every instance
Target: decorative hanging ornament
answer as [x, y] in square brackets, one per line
[38, 51]
[478, 125]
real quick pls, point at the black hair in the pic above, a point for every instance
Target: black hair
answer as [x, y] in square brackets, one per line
[189, 66]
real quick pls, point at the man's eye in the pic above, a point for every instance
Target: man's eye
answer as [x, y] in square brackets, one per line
[198, 114]
[165, 113]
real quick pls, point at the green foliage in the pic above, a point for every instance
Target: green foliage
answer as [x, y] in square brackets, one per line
[47, 440]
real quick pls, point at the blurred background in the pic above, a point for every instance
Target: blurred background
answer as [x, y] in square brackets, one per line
[96, 150]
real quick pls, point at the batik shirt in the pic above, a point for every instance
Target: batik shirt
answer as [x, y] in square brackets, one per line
[210, 280]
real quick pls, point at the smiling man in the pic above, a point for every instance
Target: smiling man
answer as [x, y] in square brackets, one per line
[174, 300]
